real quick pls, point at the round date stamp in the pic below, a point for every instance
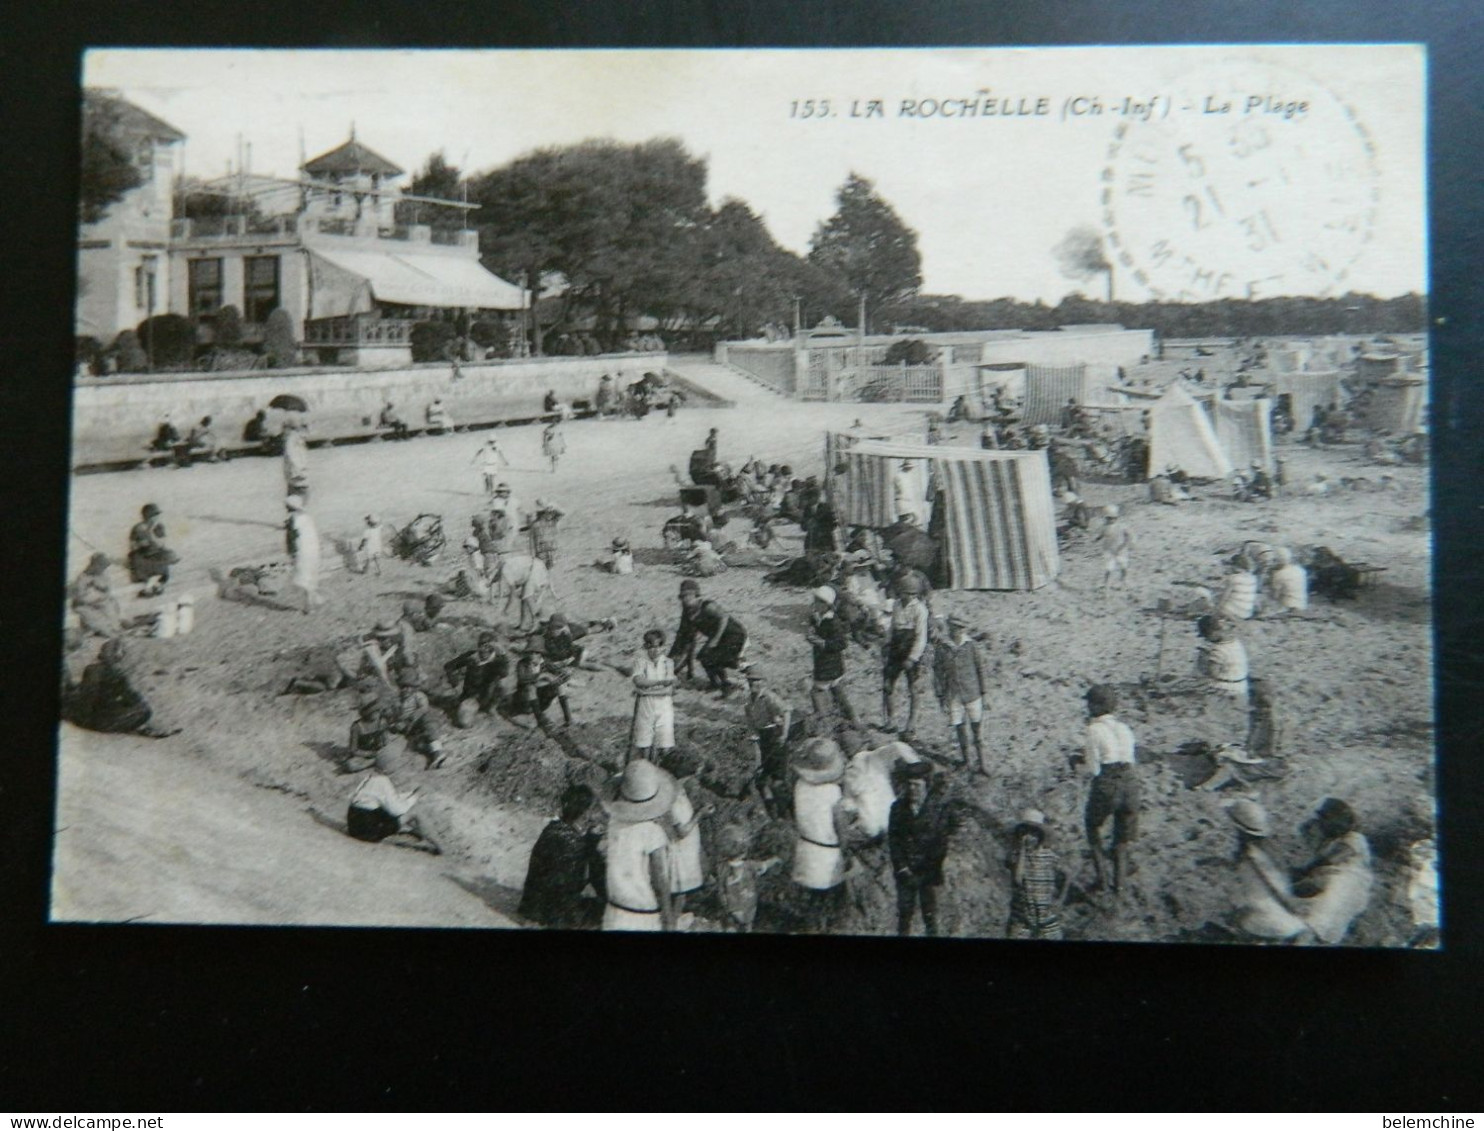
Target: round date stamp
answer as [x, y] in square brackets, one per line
[1258, 182]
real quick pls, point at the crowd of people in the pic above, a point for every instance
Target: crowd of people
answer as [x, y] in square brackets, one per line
[863, 799]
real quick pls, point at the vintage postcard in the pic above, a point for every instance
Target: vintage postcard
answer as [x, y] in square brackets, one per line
[975, 493]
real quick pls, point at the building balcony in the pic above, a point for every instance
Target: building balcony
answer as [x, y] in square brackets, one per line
[184, 229]
[246, 229]
[358, 330]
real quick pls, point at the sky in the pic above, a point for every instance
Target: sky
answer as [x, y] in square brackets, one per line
[1314, 200]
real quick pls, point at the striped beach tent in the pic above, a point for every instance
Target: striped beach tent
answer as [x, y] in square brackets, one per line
[1245, 431]
[999, 524]
[1047, 389]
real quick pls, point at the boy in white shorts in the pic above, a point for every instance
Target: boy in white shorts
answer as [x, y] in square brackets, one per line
[961, 671]
[654, 697]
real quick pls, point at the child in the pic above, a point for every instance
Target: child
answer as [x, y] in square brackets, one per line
[553, 444]
[738, 877]
[622, 562]
[1035, 901]
[654, 698]
[1117, 542]
[490, 457]
[370, 548]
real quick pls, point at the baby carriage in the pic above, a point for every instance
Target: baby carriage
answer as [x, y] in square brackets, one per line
[421, 540]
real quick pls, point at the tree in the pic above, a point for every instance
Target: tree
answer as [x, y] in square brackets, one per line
[280, 342]
[867, 246]
[108, 169]
[438, 179]
[1081, 256]
[227, 327]
[617, 224]
[169, 340]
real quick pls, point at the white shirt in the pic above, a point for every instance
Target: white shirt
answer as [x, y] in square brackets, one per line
[1289, 586]
[1109, 743]
[378, 792]
[629, 849]
[647, 670]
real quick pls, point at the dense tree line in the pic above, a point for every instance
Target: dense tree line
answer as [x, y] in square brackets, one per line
[1346, 314]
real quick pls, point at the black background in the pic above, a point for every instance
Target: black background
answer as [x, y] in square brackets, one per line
[152, 1018]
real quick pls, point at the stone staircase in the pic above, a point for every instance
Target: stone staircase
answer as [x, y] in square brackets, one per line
[724, 381]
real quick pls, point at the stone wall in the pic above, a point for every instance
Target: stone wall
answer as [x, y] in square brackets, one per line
[772, 365]
[114, 419]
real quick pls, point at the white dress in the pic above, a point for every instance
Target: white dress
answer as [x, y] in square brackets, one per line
[686, 872]
[818, 861]
[632, 903]
[306, 552]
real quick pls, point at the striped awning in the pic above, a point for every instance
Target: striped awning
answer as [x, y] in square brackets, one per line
[999, 522]
[1047, 390]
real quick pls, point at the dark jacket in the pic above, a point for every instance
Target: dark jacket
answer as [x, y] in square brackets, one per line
[829, 653]
[728, 649]
[480, 680]
[919, 841]
[563, 863]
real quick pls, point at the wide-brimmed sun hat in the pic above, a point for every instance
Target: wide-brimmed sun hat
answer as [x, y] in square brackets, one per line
[502, 488]
[820, 761]
[642, 793]
[824, 594]
[1030, 818]
[1250, 817]
[957, 619]
[384, 627]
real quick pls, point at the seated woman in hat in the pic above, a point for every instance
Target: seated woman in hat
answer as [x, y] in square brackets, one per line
[150, 558]
[91, 598]
[637, 849]
[1266, 908]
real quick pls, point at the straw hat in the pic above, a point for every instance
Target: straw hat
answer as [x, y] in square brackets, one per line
[1111, 511]
[1250, 817]
[502, 488]
[1029, 820]
[957, 619]
[294, 503]
[643, 793]
[384, 627]
[824, 594]
[820, 761]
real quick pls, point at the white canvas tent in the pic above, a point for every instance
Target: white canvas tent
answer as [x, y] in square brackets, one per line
[1181, 436]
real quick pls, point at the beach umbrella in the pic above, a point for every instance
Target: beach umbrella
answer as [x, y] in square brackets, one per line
[289, 403]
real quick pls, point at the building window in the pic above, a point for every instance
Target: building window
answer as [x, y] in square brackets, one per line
[259, 287]
[144, 285]
[205, 280]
